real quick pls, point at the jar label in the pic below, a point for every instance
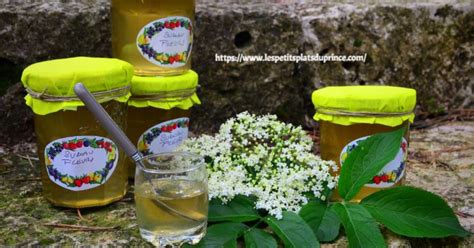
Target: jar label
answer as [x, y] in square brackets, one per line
[166, 42]
[80, 163]
[391, 173]
[164, 137]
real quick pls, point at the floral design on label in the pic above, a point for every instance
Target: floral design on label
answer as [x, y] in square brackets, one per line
[166, 42]
[392, 172]
[164, 137]
[81, 162]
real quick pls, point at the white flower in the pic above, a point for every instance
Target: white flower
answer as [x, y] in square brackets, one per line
[261, 156]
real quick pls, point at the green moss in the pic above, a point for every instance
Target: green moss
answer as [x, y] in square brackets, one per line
[434, 107]
[47, 241]
[446, 10]
[357, 43]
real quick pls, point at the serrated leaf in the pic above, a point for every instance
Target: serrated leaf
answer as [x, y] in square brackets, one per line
[322, 220]
[413, 212]
[222, 235]
[240, 209]
[361, 229]
[366, 160]
[257, 238]
[293, 230]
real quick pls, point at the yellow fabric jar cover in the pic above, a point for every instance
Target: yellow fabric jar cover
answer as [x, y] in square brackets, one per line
[50, 83]
[165, 92]
[347, 105]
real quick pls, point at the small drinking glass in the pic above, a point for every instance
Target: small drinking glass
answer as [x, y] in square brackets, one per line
[171, 197]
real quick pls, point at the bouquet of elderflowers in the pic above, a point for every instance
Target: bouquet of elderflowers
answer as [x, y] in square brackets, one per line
[265, 158]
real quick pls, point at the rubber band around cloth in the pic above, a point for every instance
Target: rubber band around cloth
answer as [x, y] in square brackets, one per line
[348, 105]
[50, 84]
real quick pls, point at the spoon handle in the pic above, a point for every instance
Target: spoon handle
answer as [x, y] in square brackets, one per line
[106, 121]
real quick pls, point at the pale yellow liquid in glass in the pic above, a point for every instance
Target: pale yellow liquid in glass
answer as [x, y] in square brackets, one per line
[130, 16]
[142, 119]
[71, 123]
[335, 137]
[184, 196]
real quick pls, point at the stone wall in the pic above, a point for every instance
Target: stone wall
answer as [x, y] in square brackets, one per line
[425, 46]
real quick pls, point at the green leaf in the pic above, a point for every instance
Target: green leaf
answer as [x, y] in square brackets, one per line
[329, 228]
[361, 229]
[413, 212]
[313, 213]
[257, 238]
[366, 160]
[322, 220]
[293, 230]
[222, 235]
[240, 209]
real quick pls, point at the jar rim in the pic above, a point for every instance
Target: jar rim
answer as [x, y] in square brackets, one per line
[198, 162]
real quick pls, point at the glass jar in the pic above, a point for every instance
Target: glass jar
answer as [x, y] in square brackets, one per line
[171, 198]
[348, 114]
[80, 165]
[159, 111]
[156, 36]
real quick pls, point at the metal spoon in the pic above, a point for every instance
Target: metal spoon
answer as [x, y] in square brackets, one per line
[122, 140]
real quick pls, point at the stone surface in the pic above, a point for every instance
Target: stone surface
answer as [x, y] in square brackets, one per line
[32, 31]
[17, 118]
[230, 88]
[425, 46]
[429, 48]
[441, 160]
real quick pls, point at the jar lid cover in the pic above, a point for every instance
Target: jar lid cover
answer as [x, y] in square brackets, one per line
[165, 92]
[58, 77]
[346, 105]
[152, 85]
[50, 84]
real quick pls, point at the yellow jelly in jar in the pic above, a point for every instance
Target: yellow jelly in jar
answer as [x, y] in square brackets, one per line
[348, 114]
[80, 165]
[156, 36]
[159, 112]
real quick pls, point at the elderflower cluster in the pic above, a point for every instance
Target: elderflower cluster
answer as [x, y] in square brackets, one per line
[266, 158]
